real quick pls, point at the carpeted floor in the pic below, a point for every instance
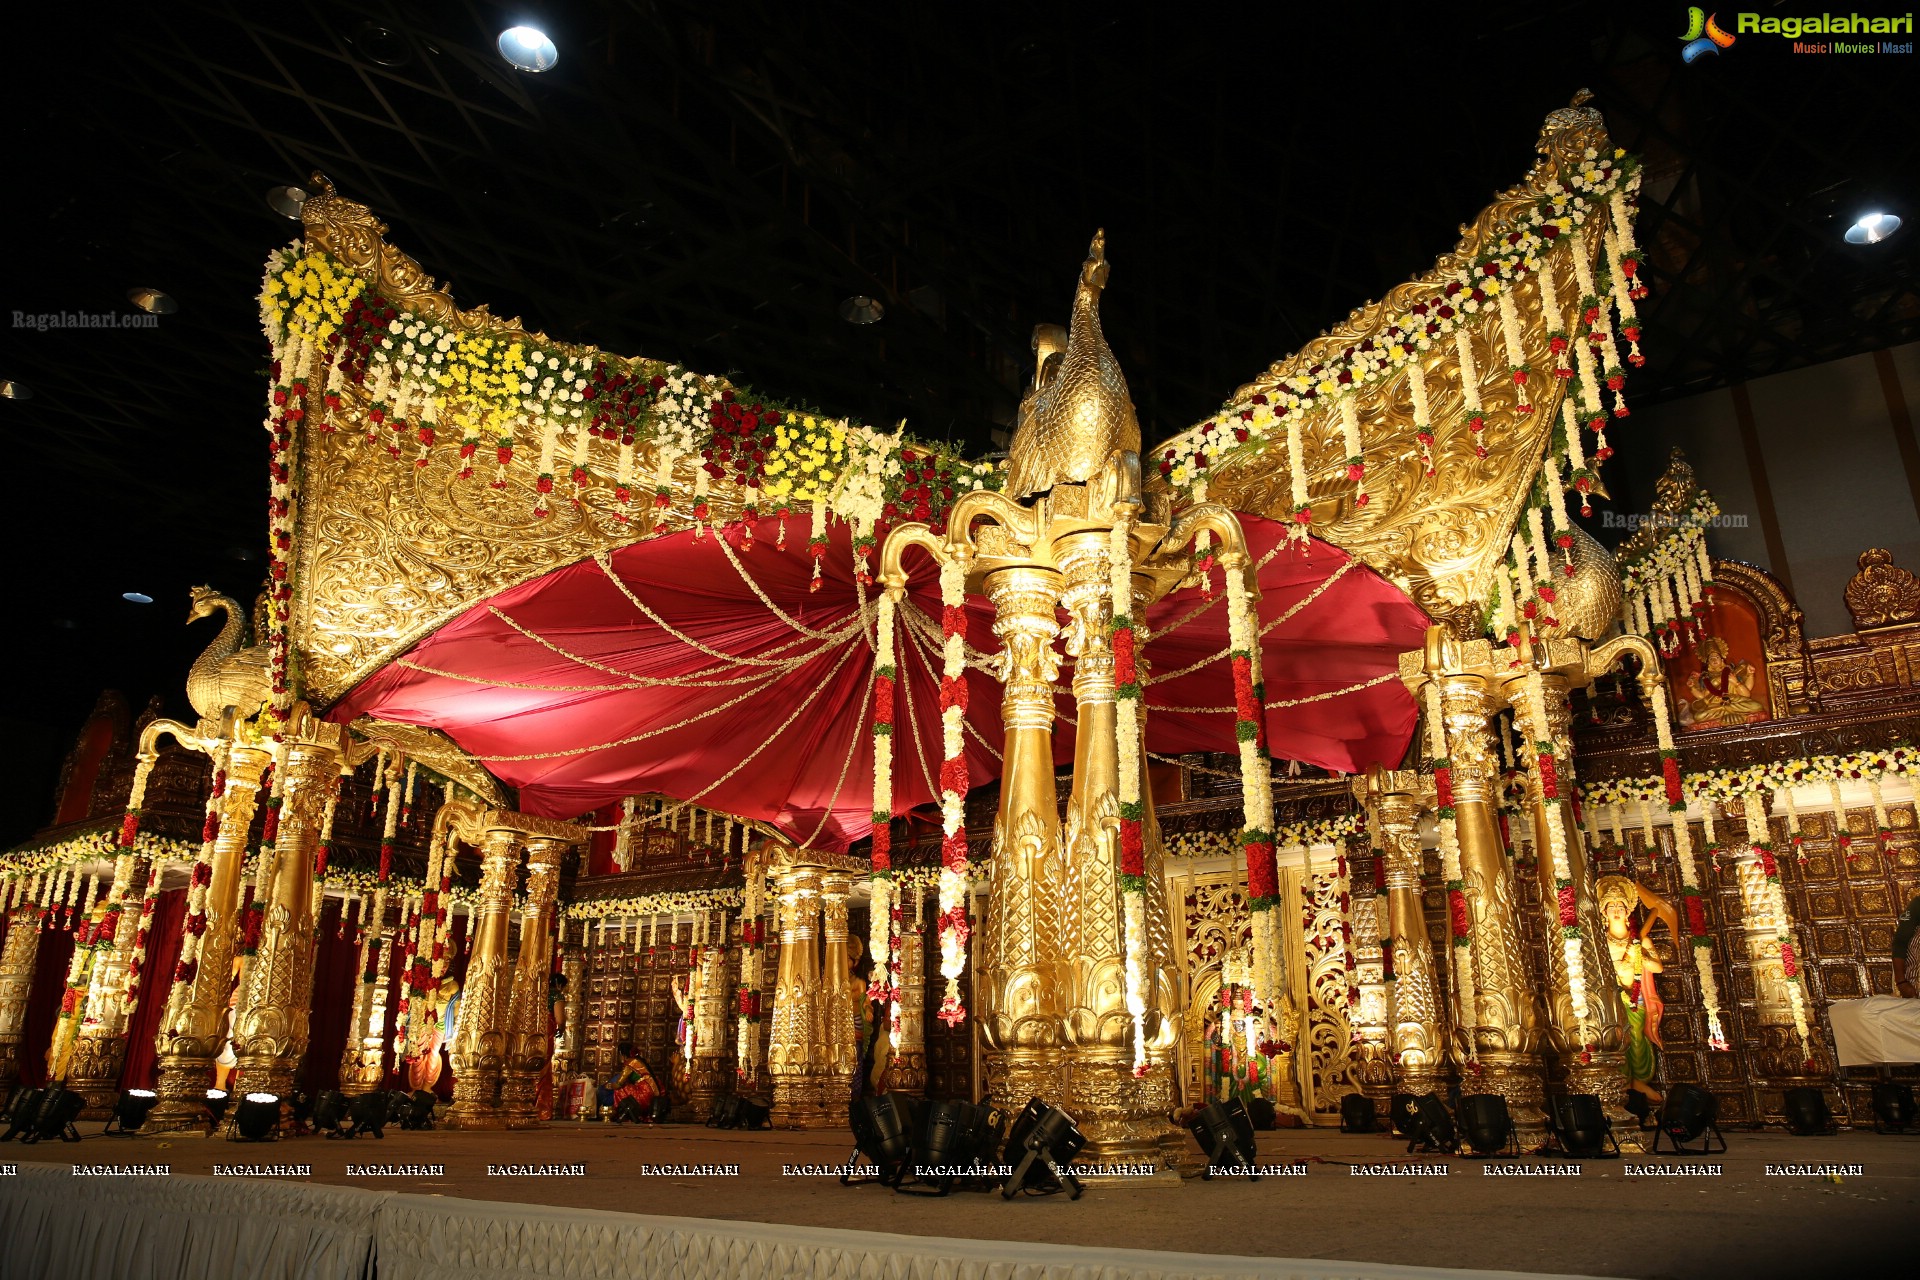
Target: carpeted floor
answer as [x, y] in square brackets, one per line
[1744, 1223]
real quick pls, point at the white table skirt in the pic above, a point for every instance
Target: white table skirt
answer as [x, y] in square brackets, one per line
[1879, 1029]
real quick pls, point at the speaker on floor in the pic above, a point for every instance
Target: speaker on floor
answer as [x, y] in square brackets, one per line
[1578, 1125]
[1488, 1125]
[1404, 1113]
[1356, 1114]
[1807, 1112]
[1432, 1126]
[1687, 1115]
[1892, 1106]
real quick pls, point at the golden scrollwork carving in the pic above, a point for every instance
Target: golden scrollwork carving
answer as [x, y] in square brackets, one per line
[1881, 594]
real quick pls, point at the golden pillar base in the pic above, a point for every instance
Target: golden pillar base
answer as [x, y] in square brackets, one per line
[9, 1063]
[1015, 1075]
[799, 1103]
[1375, 1070]
[184, 1080]
[93, 1072]
[1124, 1117]
[709, 1079]
[1517, 1078]
[520, 1100]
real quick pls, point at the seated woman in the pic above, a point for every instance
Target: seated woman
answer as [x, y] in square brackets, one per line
[634, 1088]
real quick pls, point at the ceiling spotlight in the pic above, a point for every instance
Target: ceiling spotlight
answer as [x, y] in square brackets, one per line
[286, 201]
[528, 49]
[152, 301]
[11, 390]
[1872, 228]
[137, 597]
[860, 309]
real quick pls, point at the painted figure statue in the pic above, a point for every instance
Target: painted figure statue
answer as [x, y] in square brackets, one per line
[1630, 910]
[1721, 692]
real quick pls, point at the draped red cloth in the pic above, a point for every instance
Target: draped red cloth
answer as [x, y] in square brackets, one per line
[43, 1004]
[335, 985]
[707, 672]
[142, 1067]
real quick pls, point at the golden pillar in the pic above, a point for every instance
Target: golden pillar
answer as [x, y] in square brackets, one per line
[795, 1055]
[1123, 1117]
[529, 1026]
[1594, 1061]
[1417, 1031]
[194, 1029]
[1021, 987]
[908, 1074]
[365, 1053]
[709, 1075]
[1506, 1032]
[841, 996]
[16, 984]
[273, 1018]
[100, 1047]
[479, 1049]
[567, 1060]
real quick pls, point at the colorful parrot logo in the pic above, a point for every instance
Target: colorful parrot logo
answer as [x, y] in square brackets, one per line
[1703, 35]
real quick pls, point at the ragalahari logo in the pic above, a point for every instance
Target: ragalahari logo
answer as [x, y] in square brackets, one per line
[1703, 35]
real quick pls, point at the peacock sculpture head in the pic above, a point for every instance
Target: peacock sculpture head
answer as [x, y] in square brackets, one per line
[205, 601]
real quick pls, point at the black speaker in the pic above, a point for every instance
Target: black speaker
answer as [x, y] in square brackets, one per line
[1262, 1112]
[1892, 1106]
[1356, 1114]
[21, 1108]
[1224, 1131]
[1689, 1113]
[55, 1115]
[1807, 1112]
[1488, 1125]
[1404, 1114]
[1041, 1148]
[368, 1112]
[1432, 1126]
[1579, 1126]
[725, 1113]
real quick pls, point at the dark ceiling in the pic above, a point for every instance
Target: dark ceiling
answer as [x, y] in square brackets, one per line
[706, 182]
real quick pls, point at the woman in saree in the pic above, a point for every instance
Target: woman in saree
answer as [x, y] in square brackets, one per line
[635, 1084]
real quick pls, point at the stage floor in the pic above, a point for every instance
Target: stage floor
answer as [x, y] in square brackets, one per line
[1746, 1222]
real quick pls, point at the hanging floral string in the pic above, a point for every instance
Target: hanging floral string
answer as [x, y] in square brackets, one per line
[1546, 769]
[955, 927]
[752, 957]
[1256, 804]
[1459, 914]
[193, 927]
[137, 963]
[1775, 901]
[880, 908]
[1692, 894]
[1129, 689]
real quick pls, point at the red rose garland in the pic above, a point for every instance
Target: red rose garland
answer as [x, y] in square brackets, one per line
[955, 927]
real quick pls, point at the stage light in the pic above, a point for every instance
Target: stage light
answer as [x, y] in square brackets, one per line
[1224, 1131]
[152, 301]
[20, 1111]
[1892, 1106]
[881, 1125]
[217, 1101]
[329, 1113]
[1807, 1112]
[54, 1117]
[1579, 1124]
[1404, 1113]
[860, 309]
[136, 597]
[1357, 1114]
[258, 1118]
[1042, 1135]
[286, 201]
[1488, 1125]
[419, 1110]
[1872, 228]
[369, 1115]
[11, 390]
[130, 1112]
[528, 49]
[955, 1140]
[1688, 1113]
[1429, 1125]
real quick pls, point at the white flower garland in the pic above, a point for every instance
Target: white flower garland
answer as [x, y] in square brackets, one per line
[1773, 894]
[1466, 985]
[953, 880]
[1540, 751]
[1127, 733]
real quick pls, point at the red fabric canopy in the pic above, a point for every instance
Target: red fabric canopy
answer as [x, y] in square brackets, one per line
[704, 671]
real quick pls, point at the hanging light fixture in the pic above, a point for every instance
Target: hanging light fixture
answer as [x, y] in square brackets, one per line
[528, 49]
[860, 309]
[286, 201]
[11, 390]
[1872, 228]
[152, 301]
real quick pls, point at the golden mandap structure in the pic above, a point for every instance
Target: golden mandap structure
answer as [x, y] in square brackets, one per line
[1176, 931]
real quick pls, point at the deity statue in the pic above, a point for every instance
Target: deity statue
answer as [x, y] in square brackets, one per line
[1721, 691]
[1630, 910]
[442, 1009]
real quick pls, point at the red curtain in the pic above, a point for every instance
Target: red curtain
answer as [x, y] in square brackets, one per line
[335, 957]
[142, 1067]
[43, 1004]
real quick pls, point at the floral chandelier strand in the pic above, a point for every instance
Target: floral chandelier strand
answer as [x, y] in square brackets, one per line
[1128, 678]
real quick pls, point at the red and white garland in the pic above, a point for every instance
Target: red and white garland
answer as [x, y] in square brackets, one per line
[1459, 913]
[753, 954]
[137, 962]
[955, 927]
[1692, 894]
[882, 909]
[1774, 899]
[1256, 805]
[1129, 706]
[1546, 772]
[193, 927]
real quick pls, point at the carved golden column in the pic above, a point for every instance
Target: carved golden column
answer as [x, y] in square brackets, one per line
[479, 1049]
[840, 998]
[272, 1021]
[908, 1074]
[710, 1074]
[16, 983]
[1779, 1054]
[1506, 1035]
[1417, 1031]
[566, 1057]
[1599, 1070]
[1122, 1117]
[1021, 985]
[794, 1058]
[192, 1036]
[365, 1051]
[100, 1047]
[529, 1026]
